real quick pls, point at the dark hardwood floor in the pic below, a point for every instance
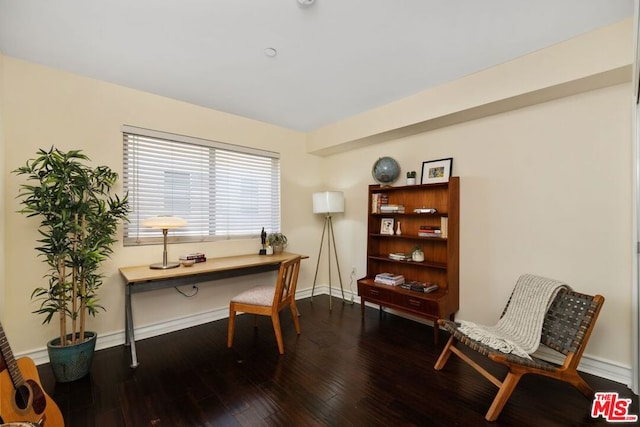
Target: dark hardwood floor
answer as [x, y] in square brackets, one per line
[339, 372]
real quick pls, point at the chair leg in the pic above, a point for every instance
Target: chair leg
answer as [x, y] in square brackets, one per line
[444, 356]
[275, 318]
[508, 385]
[577, 381]
[296, 320]
[232, 324]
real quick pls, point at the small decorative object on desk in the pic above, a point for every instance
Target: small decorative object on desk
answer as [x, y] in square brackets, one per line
[263, 241]
[277, 241]
[195, 257]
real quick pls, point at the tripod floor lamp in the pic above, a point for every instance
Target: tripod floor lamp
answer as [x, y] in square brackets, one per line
[327, 203]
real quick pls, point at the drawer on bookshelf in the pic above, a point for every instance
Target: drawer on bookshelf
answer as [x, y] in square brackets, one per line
[416, 303]
[375, 292]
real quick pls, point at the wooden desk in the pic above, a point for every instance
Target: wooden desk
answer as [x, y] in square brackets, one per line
[142, 279]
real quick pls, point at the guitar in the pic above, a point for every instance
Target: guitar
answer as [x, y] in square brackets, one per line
[23, 400]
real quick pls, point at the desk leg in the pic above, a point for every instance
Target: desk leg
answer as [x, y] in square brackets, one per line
[129, 339]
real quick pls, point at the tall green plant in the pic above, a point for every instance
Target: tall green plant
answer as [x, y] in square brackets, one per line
[78, 222]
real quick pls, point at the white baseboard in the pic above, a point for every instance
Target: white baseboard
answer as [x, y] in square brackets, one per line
[589, 364]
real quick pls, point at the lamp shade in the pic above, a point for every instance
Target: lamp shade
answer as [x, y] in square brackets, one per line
[164, 221]
[328, 202]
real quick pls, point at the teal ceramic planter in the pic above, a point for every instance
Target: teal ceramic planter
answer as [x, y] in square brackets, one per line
[71, 362]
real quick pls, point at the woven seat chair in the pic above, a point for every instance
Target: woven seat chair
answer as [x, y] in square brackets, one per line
[566, 328]
[269, 300]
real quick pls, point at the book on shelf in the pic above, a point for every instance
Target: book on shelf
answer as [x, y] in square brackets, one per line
[377, 200]
[389, 279]
[196, 256]
[391, 208]
[429, 231]
[424, 287]
[429, 227]
[400, 256]
[444, 225]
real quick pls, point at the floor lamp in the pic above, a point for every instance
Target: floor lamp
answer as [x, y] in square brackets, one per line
[327, 203]
[164, 223]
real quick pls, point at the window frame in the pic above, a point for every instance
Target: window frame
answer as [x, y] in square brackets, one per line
[220, 158]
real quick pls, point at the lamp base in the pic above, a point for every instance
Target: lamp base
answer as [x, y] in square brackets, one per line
[162, 266]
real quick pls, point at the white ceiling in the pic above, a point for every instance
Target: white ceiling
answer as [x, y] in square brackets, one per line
[335, 59]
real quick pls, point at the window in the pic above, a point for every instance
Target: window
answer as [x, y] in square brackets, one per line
[223, 191]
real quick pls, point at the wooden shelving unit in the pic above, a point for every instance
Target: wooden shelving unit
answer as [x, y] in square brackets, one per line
[441, 254]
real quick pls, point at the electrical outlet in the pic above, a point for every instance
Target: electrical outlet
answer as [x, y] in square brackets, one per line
[353, 270]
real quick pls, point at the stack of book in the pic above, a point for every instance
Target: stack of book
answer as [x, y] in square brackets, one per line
[389, 279]
[400, 256]
[424, 287]
[429, 231]
[196, 256]
[377, 200]
[391, 208]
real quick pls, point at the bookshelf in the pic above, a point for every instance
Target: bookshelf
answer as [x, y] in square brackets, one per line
[389, 206]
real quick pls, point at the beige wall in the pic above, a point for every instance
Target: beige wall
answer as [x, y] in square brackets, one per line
[45, 107]
[3, 277]
[546, 188]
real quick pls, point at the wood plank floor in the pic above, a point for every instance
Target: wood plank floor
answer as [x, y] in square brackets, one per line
[339, 372]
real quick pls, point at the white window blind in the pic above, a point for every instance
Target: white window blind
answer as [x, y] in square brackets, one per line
[222, 190]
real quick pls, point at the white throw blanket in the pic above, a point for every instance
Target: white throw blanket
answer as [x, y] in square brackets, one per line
[520, 329]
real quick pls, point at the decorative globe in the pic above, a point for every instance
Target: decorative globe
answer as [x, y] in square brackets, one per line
[385, 170]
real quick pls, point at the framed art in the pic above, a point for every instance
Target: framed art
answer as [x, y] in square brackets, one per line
[386, 226]
[436, 170]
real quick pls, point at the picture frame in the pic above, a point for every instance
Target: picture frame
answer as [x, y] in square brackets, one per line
[434, 171]
[386, 226]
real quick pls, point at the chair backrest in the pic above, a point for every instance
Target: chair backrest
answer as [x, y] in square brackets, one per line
[570, 320]
[287, 282]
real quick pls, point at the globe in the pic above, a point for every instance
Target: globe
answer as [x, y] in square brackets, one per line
[385, 170]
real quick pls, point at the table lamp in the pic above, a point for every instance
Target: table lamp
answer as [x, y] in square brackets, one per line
[327, 203]
[164, 223]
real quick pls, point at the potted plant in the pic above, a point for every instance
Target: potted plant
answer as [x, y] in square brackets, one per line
[277, 241]
[416, 254]
[411, 177]
[78, 221]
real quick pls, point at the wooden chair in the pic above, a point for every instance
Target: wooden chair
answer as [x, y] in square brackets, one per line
[567, 326]
[268, 300]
